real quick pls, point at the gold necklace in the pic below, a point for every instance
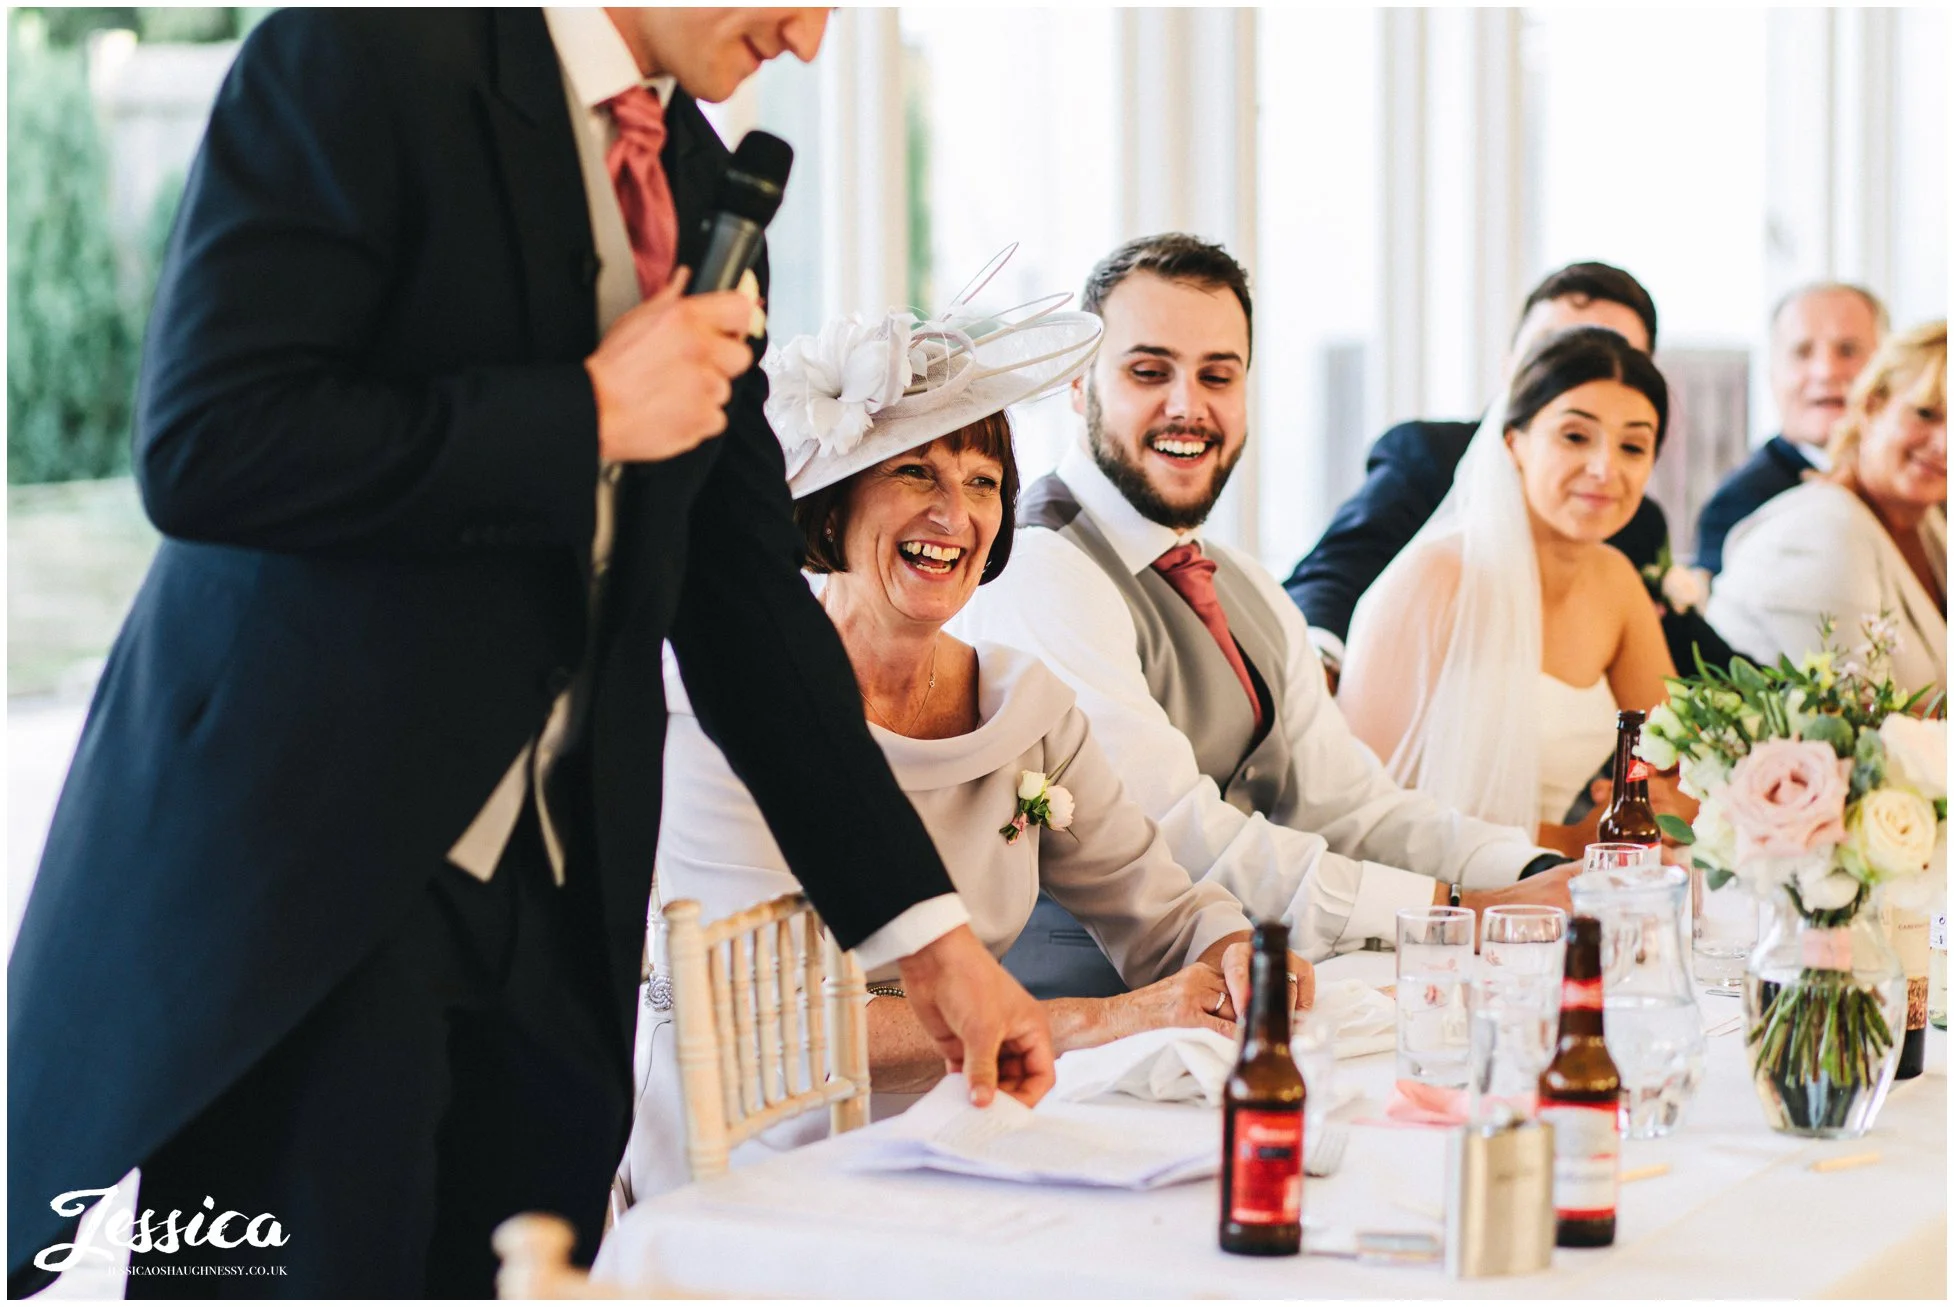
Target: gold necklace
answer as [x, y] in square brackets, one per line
[918, 716]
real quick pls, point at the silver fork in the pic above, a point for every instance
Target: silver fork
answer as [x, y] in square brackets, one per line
[1323, 1150]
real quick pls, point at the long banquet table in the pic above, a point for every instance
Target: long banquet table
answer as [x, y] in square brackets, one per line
[1739, 1213]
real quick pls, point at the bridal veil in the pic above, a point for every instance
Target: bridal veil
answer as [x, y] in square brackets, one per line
[1446, 644]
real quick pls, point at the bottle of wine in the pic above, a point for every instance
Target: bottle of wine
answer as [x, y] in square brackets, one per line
[1937, 967]
[1262, 1116]
[1580, 1097]
[1629, 819]
[1907, 933]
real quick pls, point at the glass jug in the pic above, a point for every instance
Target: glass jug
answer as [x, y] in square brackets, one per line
[1654, 1028]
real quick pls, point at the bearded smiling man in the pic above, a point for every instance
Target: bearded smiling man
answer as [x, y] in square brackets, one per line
[1194, 667]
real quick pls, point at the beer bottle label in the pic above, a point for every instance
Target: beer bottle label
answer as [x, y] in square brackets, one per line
[1587, 1152]
[1639, 770]
[1580, 995]
[1267, 1187]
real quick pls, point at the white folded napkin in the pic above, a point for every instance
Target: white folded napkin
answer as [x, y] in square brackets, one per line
[1365, 1019]
[1160, 1066]
[1190, 1065]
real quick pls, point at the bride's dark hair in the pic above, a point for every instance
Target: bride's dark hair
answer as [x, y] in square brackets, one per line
[1575, 357]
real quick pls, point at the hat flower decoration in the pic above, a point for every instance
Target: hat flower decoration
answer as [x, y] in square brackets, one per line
[869, 386]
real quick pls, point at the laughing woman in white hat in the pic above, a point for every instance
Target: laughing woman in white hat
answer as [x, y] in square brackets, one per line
[899, 457]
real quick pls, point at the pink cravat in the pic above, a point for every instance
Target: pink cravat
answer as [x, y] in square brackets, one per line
[1192, 577]
[650, 218]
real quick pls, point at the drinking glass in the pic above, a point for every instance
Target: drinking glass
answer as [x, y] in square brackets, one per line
[1523, 937]
[1515, 1019]
[1615, 857]
[1724, 929]
[1313, 1045]
[1434, 963]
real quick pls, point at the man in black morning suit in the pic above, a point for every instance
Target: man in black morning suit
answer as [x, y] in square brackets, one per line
[369, 428]
[1822, 335]
[1410, 469]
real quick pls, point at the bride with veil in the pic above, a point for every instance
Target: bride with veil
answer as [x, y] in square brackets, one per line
[1486, 665]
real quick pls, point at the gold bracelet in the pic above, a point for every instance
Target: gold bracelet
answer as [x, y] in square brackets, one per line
[886, 991]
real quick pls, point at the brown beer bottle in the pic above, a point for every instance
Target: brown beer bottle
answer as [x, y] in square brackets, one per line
[1629, 819]
[1262, 1116]
[1580, 1097]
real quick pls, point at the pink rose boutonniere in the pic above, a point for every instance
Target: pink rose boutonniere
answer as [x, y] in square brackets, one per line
[1041, 802]
[1786, 798]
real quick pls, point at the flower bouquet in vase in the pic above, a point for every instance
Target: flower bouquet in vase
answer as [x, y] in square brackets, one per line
[1823, 791]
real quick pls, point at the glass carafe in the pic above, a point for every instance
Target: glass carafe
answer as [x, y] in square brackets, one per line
[1653, 1026]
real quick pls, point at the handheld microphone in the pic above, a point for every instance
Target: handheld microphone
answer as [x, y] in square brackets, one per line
[749, 195]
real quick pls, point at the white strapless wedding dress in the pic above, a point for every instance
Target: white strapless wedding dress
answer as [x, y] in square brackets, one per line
[1577, 736]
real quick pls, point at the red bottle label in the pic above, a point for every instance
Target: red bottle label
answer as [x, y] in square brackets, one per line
[1581, 995]
[1267, 1186]
[1587, 1154]
[1639, 770]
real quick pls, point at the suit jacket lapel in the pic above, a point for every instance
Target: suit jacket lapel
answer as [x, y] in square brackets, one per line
[529, 121]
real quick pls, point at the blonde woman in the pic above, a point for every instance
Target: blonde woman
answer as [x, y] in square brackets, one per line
[1865, 540]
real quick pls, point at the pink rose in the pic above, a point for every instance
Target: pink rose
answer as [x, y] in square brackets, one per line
[1787, 797]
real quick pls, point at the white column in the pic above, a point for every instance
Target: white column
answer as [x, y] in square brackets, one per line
[864, 212]
[1455, 242]
[1862, 156]
[1401, 276]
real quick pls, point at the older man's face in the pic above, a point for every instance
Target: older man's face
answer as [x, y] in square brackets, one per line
[1818, 345]
[711, 51]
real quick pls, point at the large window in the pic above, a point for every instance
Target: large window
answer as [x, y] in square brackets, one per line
[1648, 149]
[1315, 279]
[1012, 139]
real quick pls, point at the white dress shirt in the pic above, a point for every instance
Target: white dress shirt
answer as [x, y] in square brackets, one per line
[1331, 867]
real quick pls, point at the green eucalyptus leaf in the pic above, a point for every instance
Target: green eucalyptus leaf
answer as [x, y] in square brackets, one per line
[1718, 877]
[1675, 828]
[1827, 729]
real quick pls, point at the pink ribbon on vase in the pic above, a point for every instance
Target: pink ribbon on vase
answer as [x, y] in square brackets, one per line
[1826, 950]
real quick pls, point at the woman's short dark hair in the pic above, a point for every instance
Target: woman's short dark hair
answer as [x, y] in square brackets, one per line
[1576, 356]
[823, 515]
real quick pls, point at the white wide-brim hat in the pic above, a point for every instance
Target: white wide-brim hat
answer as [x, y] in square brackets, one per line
[868, 388]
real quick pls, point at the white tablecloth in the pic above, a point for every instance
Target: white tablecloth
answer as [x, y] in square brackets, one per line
[1738, 1215]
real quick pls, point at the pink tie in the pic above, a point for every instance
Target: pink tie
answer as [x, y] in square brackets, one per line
[650, 218]
[1192, 577]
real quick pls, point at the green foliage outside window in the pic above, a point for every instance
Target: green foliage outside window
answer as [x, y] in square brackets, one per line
[72, 338]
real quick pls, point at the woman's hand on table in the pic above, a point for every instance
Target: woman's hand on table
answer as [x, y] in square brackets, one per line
[1206, 994]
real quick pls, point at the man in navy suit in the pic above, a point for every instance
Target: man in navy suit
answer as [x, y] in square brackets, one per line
[1821, 336]
[1410, 469]
[340, 917]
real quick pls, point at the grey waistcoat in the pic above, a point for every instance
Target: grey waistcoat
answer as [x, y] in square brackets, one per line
[1184, 668]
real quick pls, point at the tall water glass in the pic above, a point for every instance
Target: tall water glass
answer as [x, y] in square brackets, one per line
[1523, 937]
[1434, 964]
[1515, 1018]
[1725, 929]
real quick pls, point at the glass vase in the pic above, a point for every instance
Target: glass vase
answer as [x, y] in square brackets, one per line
[1824, 1008]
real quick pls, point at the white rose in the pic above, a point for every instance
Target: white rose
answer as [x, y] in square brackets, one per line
[1894, 830]
[1716, 838]
[1822, 888]
[1686, 588]
[1062, 807]
[1916, 754]
[1703, 775]
[1910, 893]
[1031, 784]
